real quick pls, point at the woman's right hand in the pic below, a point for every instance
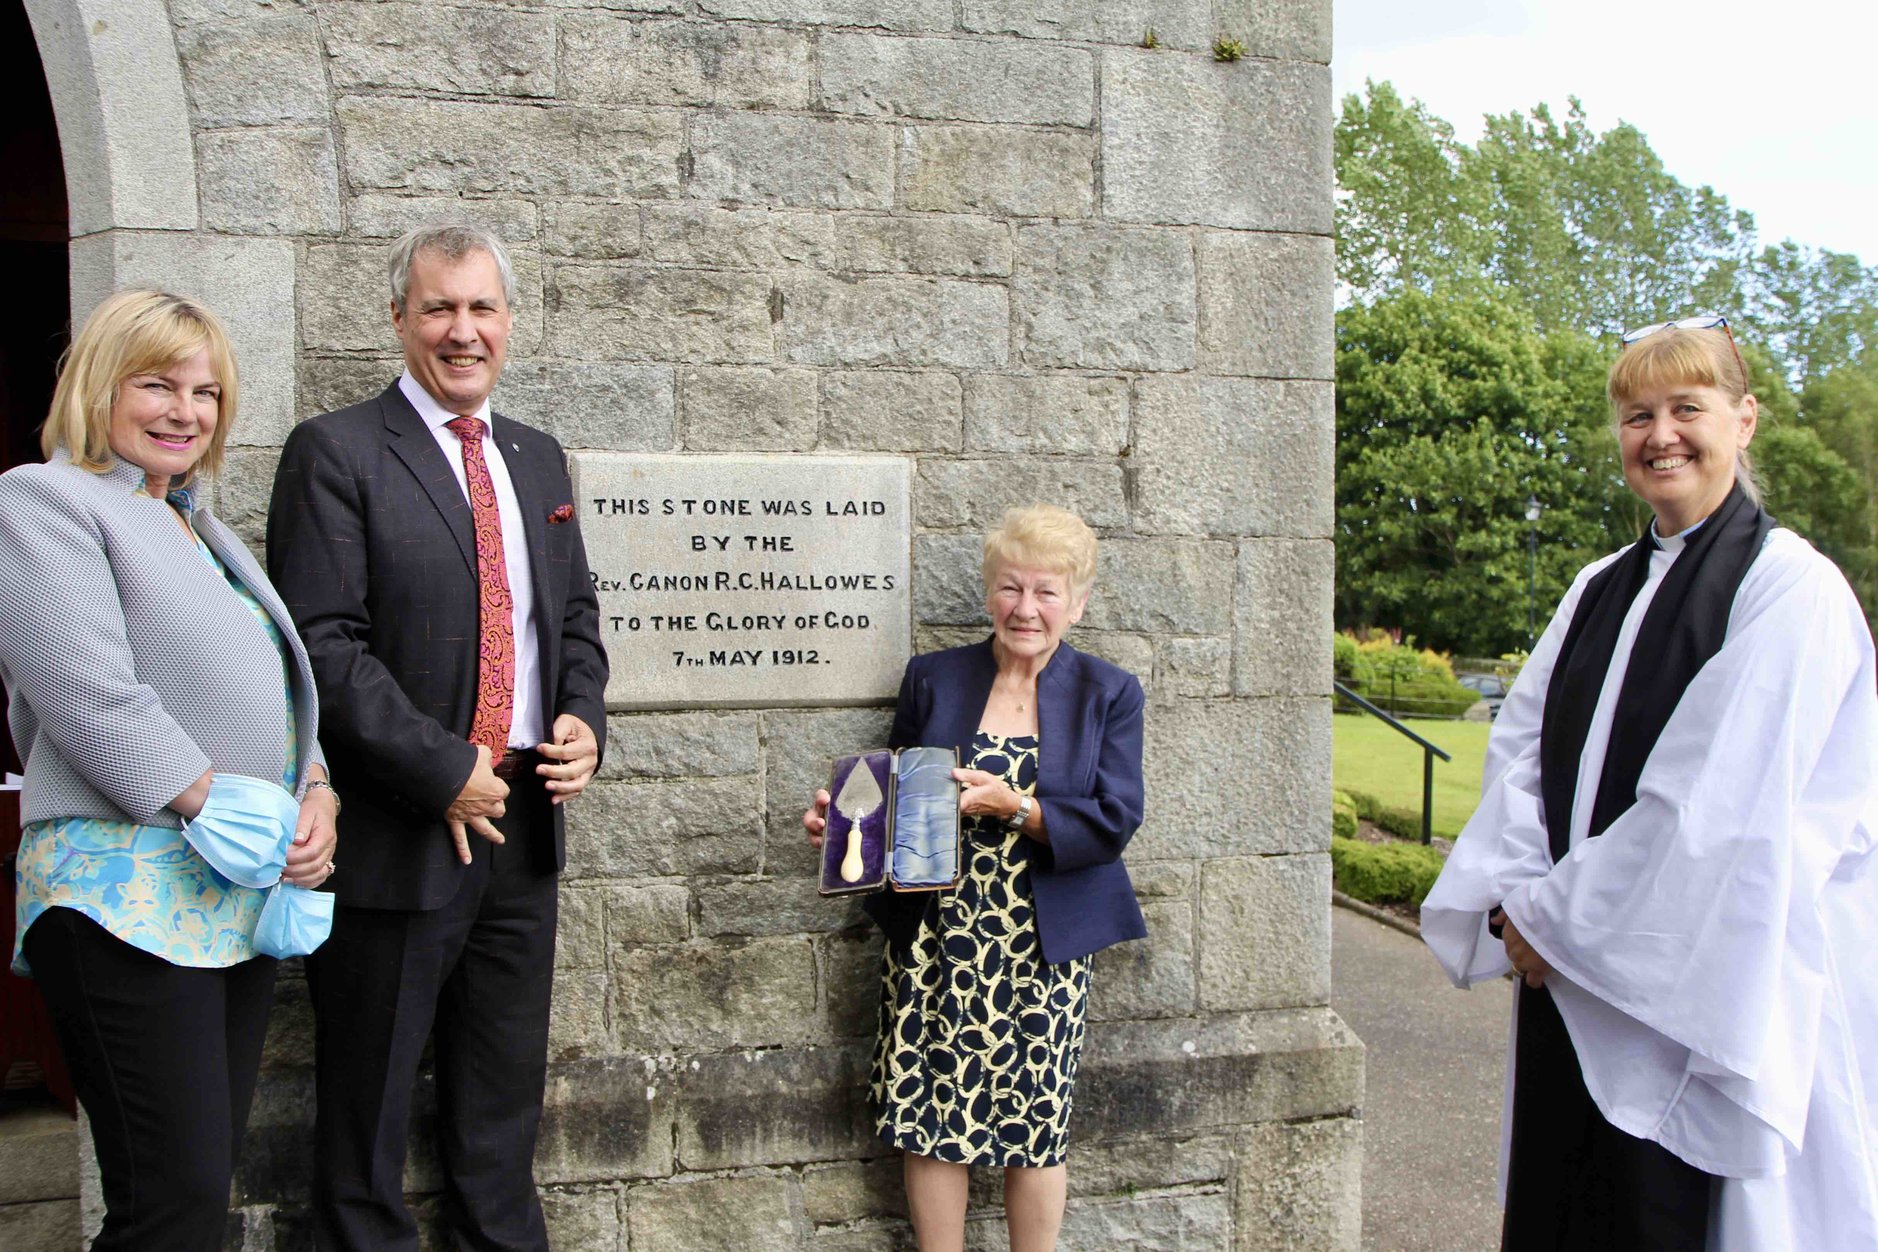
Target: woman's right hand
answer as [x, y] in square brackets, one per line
[315, 837]
[815, 819]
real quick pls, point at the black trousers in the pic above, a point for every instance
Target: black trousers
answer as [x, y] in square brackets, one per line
[1575, 1182]
[477, 975]
[164, 1059]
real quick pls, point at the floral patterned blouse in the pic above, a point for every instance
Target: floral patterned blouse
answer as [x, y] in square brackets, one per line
[145, 884]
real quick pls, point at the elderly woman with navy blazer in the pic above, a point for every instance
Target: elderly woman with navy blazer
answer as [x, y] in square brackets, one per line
[986, 986]
[166, 715]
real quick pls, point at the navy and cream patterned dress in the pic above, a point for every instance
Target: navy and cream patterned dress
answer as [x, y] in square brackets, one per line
[979, 1036]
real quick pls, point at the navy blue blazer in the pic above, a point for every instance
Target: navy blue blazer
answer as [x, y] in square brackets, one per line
[1088, 785]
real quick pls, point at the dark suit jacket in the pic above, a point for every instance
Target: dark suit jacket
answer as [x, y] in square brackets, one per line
[1088, 785]
[370, 543]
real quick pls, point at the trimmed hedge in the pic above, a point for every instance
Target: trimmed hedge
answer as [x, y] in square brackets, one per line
[1406, 681]
[1384, 873]
[1342, 816]
[1400, 822]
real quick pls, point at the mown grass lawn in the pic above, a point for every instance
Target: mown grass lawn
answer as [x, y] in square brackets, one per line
[1372, 757]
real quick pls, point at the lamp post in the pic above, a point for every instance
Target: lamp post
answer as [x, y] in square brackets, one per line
[1532, 568]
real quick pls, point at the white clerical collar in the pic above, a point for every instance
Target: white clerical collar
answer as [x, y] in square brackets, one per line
[1674, 543]
[434, 414]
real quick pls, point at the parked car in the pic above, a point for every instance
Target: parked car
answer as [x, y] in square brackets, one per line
[1492, 689]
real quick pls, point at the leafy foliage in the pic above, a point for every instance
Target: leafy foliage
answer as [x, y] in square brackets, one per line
[1451, 413]
[1815, 310]
[1384, 873]
[1399, 679]
[1842, 408]
[1485, 283]
[1399, 820]
[1406, 219]
[1342, 816]
[1589, 229]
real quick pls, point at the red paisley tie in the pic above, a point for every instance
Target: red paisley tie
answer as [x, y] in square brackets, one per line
[495, 676]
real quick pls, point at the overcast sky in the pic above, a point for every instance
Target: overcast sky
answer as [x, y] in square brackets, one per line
[1775, 105]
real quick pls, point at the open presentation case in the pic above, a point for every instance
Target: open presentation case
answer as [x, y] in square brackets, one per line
[893, 822]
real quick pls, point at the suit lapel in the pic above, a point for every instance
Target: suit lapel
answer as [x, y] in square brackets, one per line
[1057, 723]
[235, 555]
[412, 443]
[533, 485]
[967, 696]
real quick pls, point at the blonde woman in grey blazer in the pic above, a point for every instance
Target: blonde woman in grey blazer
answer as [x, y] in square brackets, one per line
[145, 654]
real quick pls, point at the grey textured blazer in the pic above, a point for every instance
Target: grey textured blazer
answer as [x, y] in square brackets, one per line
[131, 665]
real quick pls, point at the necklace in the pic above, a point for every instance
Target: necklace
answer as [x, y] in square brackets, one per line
[1020, 706]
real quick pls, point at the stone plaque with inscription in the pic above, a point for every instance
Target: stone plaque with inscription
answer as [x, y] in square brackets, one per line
[746, 581]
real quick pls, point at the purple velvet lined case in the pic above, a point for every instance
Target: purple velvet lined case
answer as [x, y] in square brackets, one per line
[886, 835]
[862, 802]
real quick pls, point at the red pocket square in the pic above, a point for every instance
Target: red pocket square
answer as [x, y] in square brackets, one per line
[563, 514]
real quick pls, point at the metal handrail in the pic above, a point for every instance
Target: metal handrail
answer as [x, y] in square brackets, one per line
[1429, 753]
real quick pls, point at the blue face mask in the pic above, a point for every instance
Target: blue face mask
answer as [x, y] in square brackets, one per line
[294, 921]
[244, 829]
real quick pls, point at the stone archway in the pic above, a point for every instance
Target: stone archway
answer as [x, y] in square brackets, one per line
[117, 90]
[116, 83]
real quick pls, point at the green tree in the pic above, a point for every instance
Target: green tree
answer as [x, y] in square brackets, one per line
[1816, 310]
[1807, 486]
[1406, 219]
[1451, 412]
[1590, 230]
[1841, 409]
[1594, 231]
[1485, 285]
[1585, 230]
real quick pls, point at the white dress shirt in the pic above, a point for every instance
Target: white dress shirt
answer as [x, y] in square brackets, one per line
[529, 726]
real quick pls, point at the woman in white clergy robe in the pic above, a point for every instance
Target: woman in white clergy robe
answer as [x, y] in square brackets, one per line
[1673, 852]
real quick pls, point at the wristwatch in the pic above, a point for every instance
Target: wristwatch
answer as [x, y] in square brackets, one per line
[328, 787]
[1016, 820]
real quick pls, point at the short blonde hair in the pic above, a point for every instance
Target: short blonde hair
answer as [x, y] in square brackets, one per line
[133, 332]
[1045, 537]
[1684, 358]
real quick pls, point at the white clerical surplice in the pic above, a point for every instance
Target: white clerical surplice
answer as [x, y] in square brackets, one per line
[1714, 949]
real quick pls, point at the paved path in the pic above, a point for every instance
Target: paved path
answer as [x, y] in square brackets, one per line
[1431, 1110]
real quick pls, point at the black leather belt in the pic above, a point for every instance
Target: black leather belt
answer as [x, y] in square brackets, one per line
[516, 761]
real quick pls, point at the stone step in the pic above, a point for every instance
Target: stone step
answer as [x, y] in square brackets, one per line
[38, 1180]
[40, 1226]
[38, 1156]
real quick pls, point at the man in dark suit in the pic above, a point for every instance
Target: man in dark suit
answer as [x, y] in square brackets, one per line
[428, 551]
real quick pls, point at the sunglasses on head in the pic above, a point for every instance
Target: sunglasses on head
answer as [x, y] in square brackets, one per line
[1702, 321]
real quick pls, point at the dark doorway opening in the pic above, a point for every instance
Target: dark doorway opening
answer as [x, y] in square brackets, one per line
[34, 228]
[33, 233]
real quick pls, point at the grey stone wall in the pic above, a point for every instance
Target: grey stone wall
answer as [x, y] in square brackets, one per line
[999, 237]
